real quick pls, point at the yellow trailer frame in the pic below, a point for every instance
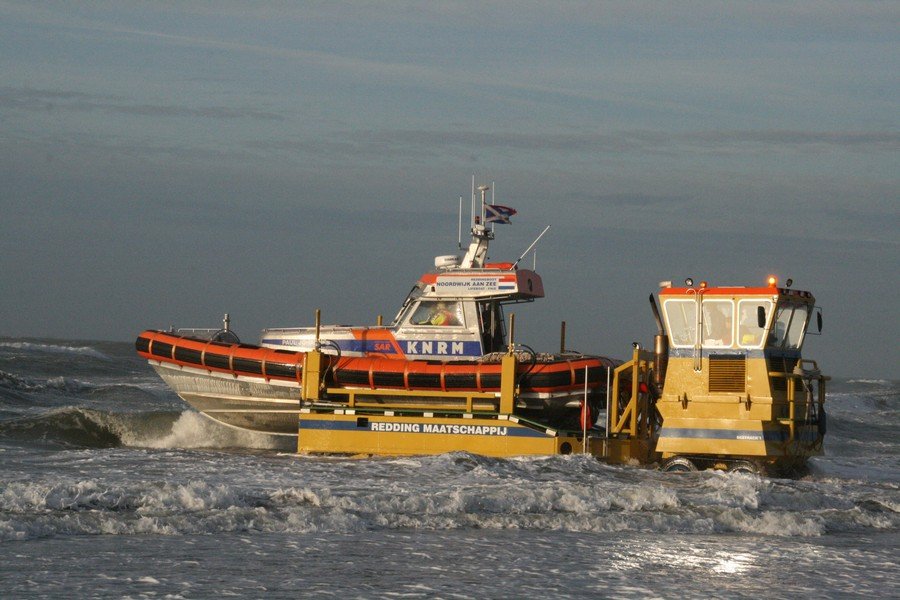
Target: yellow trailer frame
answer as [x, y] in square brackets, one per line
[400, 422]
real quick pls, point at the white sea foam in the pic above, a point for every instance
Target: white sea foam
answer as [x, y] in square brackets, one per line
[67, 384]
[645, 497]
[772, 523]
[293, 496]
[734, 489]
[55, 349]
[338, 503]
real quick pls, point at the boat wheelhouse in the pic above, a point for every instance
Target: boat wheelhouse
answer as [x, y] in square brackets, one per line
[454, 312]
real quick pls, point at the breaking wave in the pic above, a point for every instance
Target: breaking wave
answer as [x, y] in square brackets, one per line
[15, 382]
[87, 428]
[59, 384]
[193, 430]
[73, 386]
[70, 426]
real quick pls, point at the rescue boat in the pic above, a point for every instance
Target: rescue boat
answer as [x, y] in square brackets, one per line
[449, 335]
[258, 388]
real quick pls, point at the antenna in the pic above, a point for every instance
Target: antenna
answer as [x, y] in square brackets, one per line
[459, 226]
[530, 247]
[493, 191]
[472, 213]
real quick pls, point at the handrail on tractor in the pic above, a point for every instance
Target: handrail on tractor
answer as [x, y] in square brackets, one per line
[802, 375]
[634, 418]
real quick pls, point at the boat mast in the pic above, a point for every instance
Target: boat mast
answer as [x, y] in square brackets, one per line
[481, 237]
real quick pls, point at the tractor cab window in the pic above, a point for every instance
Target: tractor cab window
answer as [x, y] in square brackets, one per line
[718, 320]
[438, 313]
[789, 326]
[681, 319]
[750, 333]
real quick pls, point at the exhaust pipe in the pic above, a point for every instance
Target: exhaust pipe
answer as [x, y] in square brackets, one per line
[660, 347]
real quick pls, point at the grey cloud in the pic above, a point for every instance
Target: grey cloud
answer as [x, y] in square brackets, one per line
[846, 139]
[626, 141]
[832, 15]
[48, 100]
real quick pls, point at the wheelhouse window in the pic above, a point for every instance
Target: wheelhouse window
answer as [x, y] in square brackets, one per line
[438, 313]
[750, 334]
[718, 323]
[681, 319]
[411, 297]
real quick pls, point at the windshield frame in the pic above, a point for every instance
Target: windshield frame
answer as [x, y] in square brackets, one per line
[414, 294]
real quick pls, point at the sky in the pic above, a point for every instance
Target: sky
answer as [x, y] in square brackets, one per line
[162, 163]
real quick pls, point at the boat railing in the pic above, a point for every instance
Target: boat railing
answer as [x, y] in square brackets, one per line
[202, 333]
[323, 328]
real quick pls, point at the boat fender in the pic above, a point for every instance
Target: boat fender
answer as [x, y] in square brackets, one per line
[823, 424]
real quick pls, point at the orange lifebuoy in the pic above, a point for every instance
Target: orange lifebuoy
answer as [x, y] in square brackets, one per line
[586, 421]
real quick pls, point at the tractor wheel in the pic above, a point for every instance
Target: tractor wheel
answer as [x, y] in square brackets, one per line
[744, 466]
[678, 464]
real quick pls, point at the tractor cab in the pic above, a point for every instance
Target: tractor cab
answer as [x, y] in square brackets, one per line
[732, 381]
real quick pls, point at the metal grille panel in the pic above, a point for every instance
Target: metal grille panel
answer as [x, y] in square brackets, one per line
[727, 373]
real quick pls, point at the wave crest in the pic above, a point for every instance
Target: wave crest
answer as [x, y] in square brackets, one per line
[55, 349]
[88, 428]
[68, 426]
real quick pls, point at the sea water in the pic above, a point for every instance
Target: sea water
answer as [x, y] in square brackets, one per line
[111, 487]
